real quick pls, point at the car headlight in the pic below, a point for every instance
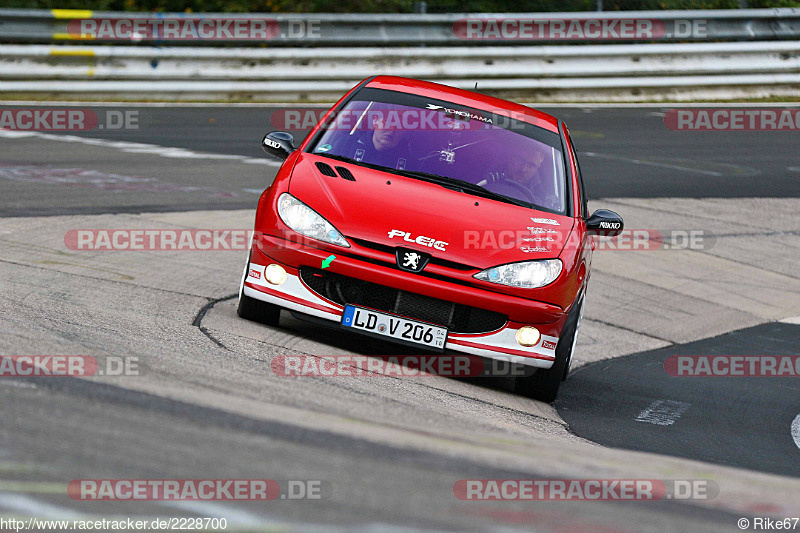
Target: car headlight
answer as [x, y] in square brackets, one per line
[527, 275]
[308, 222]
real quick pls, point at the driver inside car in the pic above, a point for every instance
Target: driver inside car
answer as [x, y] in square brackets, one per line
[385, 144]
[523, 178]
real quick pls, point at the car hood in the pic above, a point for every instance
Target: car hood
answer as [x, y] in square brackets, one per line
[392, 210]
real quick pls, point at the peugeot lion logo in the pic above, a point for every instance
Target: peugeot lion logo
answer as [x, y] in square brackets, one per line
[410, 260]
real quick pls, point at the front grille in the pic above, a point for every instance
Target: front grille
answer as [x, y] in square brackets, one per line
[457, 318]
[390, 250]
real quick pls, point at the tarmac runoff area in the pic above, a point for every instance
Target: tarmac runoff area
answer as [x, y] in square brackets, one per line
[145, 305]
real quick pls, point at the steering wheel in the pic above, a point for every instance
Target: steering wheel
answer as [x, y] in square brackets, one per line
[512, 189]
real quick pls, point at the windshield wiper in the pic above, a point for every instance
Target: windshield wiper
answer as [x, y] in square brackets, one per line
[444, 181]
[486, 193]
[463, 186]
[435, 178]
[340, 158]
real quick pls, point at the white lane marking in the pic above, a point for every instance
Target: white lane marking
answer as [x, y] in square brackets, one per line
[663, 412]
[791, 320]
[234, 515]
[244, 519]
[796, 430]
[18, 384]
[137, 148]
[33, 507]
[651, 164]
[793, 169]
[26, 505]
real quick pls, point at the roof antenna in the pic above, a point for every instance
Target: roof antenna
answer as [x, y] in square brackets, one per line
[476, 87]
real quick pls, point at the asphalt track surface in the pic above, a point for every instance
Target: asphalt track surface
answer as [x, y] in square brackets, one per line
[627, 152]
[387, 450]
[724, 420]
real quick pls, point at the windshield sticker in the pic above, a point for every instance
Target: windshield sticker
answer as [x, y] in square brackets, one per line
[323, 148]
[459, 114]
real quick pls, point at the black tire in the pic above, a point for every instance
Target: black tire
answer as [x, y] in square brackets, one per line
[258, 311]
[543, 385]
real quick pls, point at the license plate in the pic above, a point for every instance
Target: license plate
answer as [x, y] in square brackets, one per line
[401, 329]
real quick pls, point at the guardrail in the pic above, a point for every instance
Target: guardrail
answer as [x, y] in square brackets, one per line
[591, 72]
[737, 54]
[59, 26]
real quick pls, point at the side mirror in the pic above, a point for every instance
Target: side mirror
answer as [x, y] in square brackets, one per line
[278, 144]
[605, 223]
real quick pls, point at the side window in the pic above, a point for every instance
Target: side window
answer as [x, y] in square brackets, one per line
[584, 200]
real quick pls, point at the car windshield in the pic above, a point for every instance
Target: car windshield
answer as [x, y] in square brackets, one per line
[491, 155]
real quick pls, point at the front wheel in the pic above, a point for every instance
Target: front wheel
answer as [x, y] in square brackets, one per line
[543, 385]
[258, 311]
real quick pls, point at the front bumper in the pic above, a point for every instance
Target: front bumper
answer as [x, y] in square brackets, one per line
[295, 295]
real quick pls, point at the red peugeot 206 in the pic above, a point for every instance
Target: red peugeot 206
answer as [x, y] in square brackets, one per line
[430, 216]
